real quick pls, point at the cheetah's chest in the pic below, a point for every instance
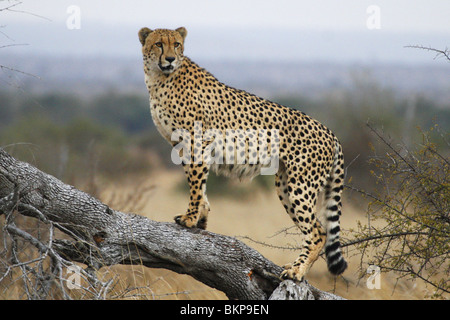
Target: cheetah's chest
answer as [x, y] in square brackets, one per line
[161, 119]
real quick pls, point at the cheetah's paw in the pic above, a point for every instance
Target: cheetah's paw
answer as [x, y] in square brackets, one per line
[188, 221]
[293, 272]
[185, 221]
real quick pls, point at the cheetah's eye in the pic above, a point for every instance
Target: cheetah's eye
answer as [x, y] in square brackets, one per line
[176, 44]
[158, 44]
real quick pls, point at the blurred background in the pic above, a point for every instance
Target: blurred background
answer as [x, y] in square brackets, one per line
[73, 100]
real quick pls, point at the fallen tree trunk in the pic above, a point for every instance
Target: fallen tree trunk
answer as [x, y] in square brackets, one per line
[103, 236]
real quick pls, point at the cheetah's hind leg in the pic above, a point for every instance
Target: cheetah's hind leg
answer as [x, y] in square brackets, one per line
[301, 210]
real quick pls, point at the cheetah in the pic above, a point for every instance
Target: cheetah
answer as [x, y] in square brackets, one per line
[186, 97]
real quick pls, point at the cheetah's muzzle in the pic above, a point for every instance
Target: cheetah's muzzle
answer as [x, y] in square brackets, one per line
[166, 69]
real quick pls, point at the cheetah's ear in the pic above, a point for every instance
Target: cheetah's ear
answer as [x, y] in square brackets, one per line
[182, 31]
[143, 34]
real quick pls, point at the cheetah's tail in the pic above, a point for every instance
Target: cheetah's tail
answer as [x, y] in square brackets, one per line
[333, 191]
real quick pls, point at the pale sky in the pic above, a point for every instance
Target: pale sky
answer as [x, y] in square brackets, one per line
[396, 15]
[231, 28]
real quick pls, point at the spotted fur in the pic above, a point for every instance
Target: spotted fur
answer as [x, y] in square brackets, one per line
[186, 96]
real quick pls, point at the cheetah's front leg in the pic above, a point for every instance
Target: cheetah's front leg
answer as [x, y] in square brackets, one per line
[197, 213]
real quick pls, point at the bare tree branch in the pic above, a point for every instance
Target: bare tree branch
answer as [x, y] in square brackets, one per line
[10, 7]
[445, 53]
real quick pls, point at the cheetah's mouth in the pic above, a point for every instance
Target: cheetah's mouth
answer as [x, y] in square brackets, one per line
[166, 69]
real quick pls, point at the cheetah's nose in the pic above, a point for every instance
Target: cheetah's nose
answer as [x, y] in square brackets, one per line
[170, 59]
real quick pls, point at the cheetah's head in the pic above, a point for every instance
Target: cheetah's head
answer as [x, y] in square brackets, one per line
[162, 49]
